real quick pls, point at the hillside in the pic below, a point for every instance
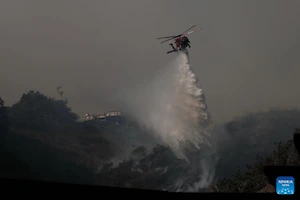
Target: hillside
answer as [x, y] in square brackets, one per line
[126, 155]
[44, 162]
[242, 139]
[253, 178]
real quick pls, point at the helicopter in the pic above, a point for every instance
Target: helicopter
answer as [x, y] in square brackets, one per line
[181, 41]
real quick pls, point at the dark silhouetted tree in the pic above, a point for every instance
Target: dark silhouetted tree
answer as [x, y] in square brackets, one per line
[4, 124]
[36, 111]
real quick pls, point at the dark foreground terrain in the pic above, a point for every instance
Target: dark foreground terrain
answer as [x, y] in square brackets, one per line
[42, 139]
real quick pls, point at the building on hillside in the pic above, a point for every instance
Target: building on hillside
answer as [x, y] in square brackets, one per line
[111, 116]
[89, 117]
[101, 117]
[115, 116]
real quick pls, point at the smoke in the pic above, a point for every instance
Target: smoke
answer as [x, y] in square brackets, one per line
[172, 105]
[200, 181]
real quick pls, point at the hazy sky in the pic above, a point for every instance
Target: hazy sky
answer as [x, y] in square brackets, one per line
[246, 56]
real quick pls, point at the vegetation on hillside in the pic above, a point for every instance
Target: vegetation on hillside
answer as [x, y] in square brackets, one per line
[26, 152]
[253, 178]
[240, 141]
[36, 111]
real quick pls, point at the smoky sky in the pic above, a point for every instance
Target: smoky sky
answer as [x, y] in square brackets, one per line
[246, 56]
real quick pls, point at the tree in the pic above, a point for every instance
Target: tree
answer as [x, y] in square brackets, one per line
[36, 111]
[4, 124]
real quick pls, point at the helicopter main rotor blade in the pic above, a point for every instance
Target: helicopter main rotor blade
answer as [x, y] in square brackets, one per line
[165, 37]
[173, 37]
[168, 40]
[188, 30]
